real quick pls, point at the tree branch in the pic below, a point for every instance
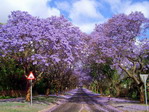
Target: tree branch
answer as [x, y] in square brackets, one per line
[129, 74]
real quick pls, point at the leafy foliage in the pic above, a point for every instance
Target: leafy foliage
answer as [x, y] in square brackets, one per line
[40, 45]
[11, 75]
[118, 40]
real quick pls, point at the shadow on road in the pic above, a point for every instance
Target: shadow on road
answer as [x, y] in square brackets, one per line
[83, 100]
[82, 97]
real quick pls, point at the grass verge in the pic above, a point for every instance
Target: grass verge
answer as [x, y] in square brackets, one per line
[39, 103]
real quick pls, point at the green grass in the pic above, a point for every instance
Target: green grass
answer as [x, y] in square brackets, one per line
[67, 93]
[6, 97]
[20, 107]
[48, 99]
[39, 103]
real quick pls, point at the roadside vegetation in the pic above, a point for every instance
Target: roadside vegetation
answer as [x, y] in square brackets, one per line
[108, 61]
[39, 103]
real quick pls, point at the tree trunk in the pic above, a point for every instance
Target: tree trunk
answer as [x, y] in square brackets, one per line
[47, 91]
[92, 88]
[142, 98]
[101, 91]
[62, 90]
[117, 91]
[28, 94]
[97, 89]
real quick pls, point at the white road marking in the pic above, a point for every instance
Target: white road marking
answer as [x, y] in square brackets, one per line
[82, 107]
[87, 108]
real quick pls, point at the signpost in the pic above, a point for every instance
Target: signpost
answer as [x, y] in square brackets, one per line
[31, 77]
[144, 78]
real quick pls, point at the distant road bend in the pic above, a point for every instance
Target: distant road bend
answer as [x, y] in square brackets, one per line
[84, 101]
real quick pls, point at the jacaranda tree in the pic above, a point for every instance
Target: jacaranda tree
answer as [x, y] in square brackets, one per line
[39, 43]
[118, 39]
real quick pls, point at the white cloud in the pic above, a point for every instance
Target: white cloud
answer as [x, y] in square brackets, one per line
[89, 27]
[86, 27]
[84, 14]
[38, 8]
[140, 6]
[113, 2]
[63, 6]
[127, 6]
[84, 9]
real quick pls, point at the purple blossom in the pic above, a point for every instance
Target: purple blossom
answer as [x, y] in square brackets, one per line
[38, 40]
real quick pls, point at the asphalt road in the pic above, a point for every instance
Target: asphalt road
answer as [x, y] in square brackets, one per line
[83, 101]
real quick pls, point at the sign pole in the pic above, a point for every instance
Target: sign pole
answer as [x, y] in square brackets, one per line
[31, 92]
[146, 96]
[31, 77]
[144, 78]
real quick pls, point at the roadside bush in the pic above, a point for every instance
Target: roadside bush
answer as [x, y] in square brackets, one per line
[12, 78]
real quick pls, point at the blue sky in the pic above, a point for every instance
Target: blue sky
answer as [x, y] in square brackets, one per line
[82, 13]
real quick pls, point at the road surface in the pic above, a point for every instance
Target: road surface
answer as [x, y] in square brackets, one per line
[84, 101]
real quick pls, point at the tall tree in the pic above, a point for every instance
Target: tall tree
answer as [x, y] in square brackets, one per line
[118, 39]
[39, 43]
